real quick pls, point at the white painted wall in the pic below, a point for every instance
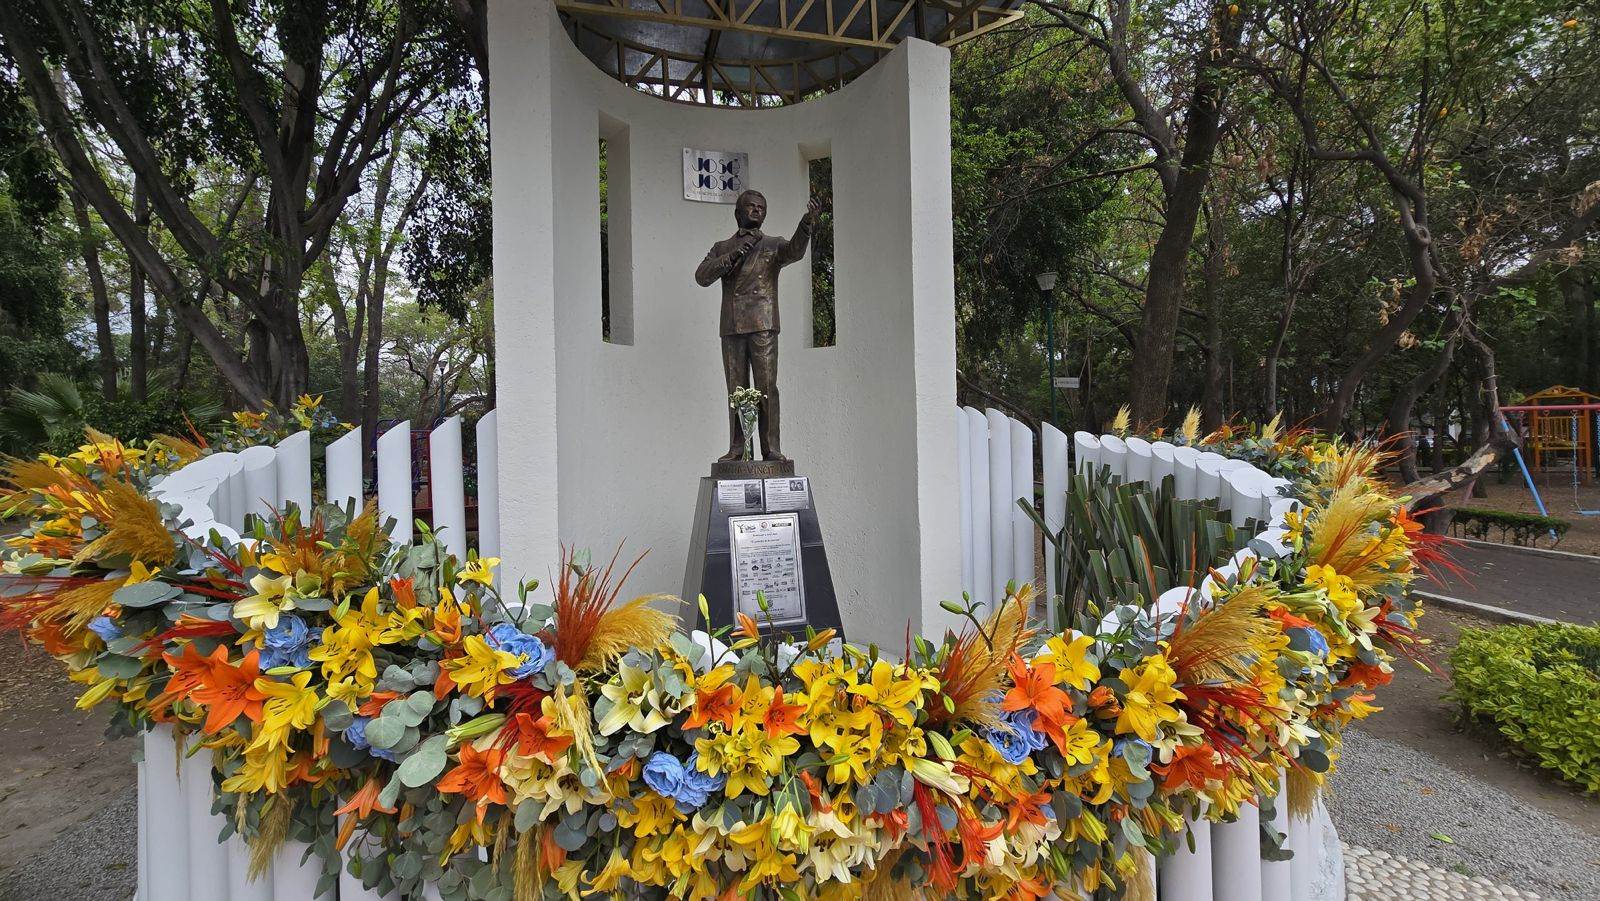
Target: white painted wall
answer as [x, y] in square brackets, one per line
[605, 442]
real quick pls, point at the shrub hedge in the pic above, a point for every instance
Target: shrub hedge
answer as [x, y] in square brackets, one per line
[1539, 686]
[1520, 528]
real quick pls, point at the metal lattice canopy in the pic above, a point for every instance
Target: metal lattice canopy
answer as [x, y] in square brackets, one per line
[762, 52]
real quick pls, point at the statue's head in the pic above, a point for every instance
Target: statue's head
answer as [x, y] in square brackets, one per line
[750, 210]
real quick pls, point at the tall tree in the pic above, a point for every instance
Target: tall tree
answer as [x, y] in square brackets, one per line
[1182, 155]
[303, 91]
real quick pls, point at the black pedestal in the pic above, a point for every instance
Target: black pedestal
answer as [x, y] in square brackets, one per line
[769, 516]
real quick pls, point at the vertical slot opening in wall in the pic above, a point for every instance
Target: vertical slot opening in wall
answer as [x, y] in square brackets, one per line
[824, 287]
[616, 238]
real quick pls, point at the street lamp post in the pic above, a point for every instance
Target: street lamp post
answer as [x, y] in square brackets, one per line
[1047, 288]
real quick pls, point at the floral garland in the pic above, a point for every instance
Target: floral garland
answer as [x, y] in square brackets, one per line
[390, 707]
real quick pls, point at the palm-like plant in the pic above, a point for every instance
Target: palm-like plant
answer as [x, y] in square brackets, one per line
[45, 416]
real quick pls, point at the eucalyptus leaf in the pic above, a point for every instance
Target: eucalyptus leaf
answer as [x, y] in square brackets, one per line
[424, 764]
[145, 594]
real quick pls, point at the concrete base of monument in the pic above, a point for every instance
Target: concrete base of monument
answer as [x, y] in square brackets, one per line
[751, 469]
[758, 537]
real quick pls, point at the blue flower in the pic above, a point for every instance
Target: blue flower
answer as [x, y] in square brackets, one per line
[106, 628]
[286, 644]
[664, 774]
[356, 735]
[1119, 748]
[697, 786]
[536, 655]
[1016, 738]
[1318, 641]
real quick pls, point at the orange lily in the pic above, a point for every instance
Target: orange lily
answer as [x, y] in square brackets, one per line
[1192, 765]
[478, 777]
[720, 704]
[405, 592]
[230, 691]
[365, 801]
[534, 738]
[1034, 688]
[189, 669]
[782, 719]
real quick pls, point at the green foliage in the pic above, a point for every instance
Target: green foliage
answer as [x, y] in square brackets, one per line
[1127, 542]
[51, 416]
[1520, 528]
[35, 314]
[450, 248]
[1539, 686]
[1022, 105]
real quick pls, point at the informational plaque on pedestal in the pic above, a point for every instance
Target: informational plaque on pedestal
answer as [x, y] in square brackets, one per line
[787, 493]
[755, 538]
[766, 563]
[739, 496]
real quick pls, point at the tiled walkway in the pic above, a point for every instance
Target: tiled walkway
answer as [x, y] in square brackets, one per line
[1380, 876]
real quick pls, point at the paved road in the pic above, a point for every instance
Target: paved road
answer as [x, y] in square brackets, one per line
[1557, 587]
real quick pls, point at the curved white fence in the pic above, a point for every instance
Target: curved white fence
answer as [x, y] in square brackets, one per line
[1226, 864]
[219, 491]
[180, 858]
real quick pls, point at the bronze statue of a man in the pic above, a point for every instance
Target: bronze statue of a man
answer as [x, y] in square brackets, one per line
[748, 265]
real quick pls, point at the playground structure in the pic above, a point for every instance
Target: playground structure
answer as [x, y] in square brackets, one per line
[1561, 426]
[1561, 422]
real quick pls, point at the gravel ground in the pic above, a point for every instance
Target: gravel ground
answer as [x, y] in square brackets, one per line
[1387, 796]
[93, 861]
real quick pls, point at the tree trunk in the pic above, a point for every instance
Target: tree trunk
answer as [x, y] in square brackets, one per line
[138, 344]
[369, 410]
[1441, 427]
[180, 379]
[1577, 299]
[1405, 402]
[1285, 315]
[105, 342]
[1163, 298]
[1211, 398]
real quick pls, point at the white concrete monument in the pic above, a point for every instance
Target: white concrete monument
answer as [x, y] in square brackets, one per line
[604, 441]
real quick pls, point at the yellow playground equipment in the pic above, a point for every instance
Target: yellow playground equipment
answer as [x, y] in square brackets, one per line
[1561, 427]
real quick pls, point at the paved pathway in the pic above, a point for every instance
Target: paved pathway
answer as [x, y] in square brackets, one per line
[1554, 586]
[1380, 876]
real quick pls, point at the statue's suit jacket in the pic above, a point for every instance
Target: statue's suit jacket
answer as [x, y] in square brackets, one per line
[750, 287]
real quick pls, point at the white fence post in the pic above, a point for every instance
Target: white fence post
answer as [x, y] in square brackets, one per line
[964, 489]
[394, 480]
[1185, 477]
[344, 471]
[488, 485]
[1184, 875]
[999, 500]
[1163, 463]
[294, 472]
[1138, 460]
[168, 852]
[141, 890]
[445, 484]
[982, 559]
[208, 861]
[1022, 531]
[1053, 457]
[1236, 856]
[1114, 456]
[259, 475]
[1086, 448]
[293, 880]
[1276, 875]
